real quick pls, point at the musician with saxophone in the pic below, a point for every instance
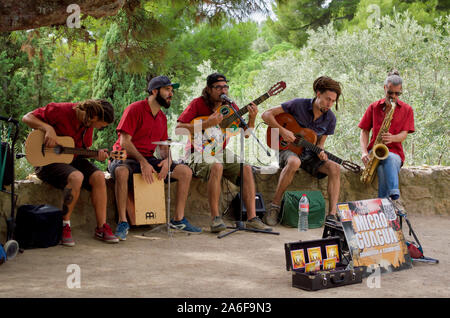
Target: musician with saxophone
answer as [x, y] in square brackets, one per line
[390, 120]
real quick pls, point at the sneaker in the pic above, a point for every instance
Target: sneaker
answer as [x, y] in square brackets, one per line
[217, 225]
[257, 224]
[271, 217]
[122, 231]
[66, 238]
[105, 234]
[184, 226]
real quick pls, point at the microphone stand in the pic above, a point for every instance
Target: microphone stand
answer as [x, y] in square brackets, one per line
[240, 226]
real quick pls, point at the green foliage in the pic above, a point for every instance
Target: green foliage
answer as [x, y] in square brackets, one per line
[296, 17]
[114, 57]
[26, 79]
[114, 84]
[360, 61]
[370, 11]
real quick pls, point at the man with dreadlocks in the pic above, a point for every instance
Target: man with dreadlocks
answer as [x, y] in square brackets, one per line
[313, 113]
[76, 120]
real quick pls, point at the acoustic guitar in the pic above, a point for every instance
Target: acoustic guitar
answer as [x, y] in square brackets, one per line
[304, 138]
[214, 137]
[39, 155]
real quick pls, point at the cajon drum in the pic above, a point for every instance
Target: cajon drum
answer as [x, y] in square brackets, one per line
[149, 200]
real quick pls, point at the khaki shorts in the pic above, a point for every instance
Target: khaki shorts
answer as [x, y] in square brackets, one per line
[202, 169]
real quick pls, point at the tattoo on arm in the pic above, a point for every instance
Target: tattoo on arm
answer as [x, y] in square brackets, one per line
[68, 198]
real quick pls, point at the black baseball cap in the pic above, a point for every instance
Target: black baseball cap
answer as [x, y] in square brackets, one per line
[215, 77]
[160, 81]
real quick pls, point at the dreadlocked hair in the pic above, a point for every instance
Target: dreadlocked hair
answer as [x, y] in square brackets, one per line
[325, 83]
[99, 108]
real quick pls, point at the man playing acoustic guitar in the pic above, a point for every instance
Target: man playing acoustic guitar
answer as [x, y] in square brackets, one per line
[212, 172]
[313, 113]
[76, 120]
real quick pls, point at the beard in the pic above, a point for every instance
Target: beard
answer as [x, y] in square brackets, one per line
[323, 110]
[161, 101]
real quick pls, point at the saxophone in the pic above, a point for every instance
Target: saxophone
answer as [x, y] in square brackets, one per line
[379, 151]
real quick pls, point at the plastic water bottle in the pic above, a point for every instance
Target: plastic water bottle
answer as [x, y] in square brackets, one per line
[303, 210]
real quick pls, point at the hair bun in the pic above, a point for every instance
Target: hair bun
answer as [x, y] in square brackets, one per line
[393, 72]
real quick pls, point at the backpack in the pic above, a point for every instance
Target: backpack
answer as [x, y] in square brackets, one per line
[289, 208]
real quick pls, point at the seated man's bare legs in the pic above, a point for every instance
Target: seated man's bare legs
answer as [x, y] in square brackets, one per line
[333, 171]
[286, 176]
[183, 175]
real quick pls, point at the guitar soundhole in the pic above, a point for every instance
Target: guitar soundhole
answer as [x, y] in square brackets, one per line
[58, 150]
[224, 111]
[283, 143]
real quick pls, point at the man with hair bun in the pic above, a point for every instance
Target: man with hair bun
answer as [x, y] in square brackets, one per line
[313, 113]
[76, 120]
[401, 125]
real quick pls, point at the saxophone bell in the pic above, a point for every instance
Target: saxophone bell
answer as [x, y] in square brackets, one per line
[380, 151]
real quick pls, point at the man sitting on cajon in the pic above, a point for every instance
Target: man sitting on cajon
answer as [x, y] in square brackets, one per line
[143, 123]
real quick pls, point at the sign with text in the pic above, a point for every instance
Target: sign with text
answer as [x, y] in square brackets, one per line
[374, 235]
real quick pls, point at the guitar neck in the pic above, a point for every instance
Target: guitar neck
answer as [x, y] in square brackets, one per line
[243, 110]
[257, 101]
[306, 144]
[80, 152]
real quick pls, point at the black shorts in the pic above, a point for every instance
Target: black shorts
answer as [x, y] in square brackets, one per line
[135, 167]
[56, 174]
[310, 162]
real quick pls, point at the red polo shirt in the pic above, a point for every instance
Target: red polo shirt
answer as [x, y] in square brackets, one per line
[197, 108]
[62, 117]
[144, 128]
[402, 120]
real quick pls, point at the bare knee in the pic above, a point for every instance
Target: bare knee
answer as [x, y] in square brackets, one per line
[97, 179]
[183, 172]
[121, 174]
[75, 180]
[216, 170]
[293, 163]
[333, 169]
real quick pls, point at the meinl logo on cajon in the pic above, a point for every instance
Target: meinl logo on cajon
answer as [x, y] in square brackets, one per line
[149, 200]
[150, 215]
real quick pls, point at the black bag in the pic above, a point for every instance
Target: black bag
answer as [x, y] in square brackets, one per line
[38, 226]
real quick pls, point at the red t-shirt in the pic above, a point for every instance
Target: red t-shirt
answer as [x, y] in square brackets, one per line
[62, 117]
[197, 108]
[402, 120]
[144, 128]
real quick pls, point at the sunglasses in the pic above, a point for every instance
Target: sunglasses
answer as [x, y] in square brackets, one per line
[219, 87]
[396, 93]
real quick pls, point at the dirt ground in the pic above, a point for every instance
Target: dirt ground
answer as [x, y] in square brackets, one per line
[242, 265]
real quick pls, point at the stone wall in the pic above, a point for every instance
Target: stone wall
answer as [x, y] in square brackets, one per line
[424, 190]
